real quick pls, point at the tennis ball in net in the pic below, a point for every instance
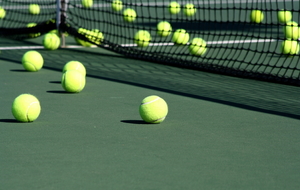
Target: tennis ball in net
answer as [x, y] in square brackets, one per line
[33, 35]
[87, 3]
[142, 38]
[197, 47]
[174, 7]
[180, 37]
[32, 61]
[284, 16]
[291, 30]
[117, 5]
[153, 109]
[73, 81]
[290, 47]
[189, 9]
[2, 13]
[34, 9]
[75, 65]
[164, 28]
[256, 16]
[51, 41]
[129, 15]
[26, 108]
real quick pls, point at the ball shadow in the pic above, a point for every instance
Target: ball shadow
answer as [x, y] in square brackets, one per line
[140, 122]
[19, 70]
[9, 121]
[59, 92]
[55, 82]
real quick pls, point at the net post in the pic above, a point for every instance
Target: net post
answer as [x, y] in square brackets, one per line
[61, 6]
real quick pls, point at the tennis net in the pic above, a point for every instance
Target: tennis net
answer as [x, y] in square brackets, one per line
[235, 45]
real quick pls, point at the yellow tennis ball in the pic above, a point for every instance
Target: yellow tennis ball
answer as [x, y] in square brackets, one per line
[164, 28]
[87, 3]
[197, 47]
[73, 81]
[75, 65]
[256, 16]
[33, 35]
[2, 13]
[291, 30]
[117, 5]
[142, 38]
[290, 47]
[26, 108]
[174, 7]
[51, 41]
[129, 15]
[180, 37]
[34, 9]
[95, 36]
[284, 16]
[32, 61]
[153, 109]
[189, 9]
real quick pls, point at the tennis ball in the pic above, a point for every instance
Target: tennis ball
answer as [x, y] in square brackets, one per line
[95, 36]
[32, 61]
[51, 41]
[142, 38]
[189, 9]
[2, 13]
[34, 9]
[284, 16]
[197, 46]
[117, 5]
[75, 65]
[26, 108]
[256, 16]
[73, 81]
[33, 35]
[129, 15]
[164, 28]
[87, 3]
[174, 7]
[290, 47]
[180, 37]
[153, 109]
[291, 30]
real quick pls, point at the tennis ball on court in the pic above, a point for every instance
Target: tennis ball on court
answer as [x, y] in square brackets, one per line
[290, 47]
[153, 109]
[73, 81]
[197, 47]
[2, 13]
[164, 28]
[75, 65]
[26, 108]
[34, 9]
[142, 38]
[256, 16]
[180, 37]
[87, 3]
[291, 30]
[117, 5]
[129, 15]
[51, 41]
[174, 7]
[32, 61]
[189, 9]
[33, 35]
[284, 16]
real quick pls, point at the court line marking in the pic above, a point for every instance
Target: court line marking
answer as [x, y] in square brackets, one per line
[150, 44]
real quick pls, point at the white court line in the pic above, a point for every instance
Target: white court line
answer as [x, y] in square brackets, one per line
[151, 44]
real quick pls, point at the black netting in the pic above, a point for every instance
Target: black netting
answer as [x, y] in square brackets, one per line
[235, 45]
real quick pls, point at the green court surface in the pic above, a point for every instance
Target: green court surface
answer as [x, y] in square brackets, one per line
[221, 132]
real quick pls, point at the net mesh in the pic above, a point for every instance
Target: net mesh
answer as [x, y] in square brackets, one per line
[234, 44]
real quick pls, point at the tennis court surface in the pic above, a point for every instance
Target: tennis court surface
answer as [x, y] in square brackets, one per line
[233, 120]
